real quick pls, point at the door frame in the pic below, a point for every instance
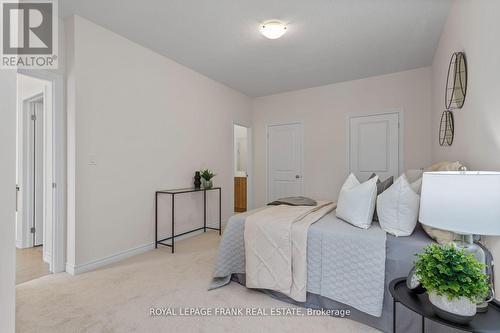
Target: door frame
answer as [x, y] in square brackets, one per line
[58, 255]
[301, 159]
[249, 163]
[400, 114]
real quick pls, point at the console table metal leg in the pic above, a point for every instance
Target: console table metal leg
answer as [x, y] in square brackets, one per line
[423, 324]
[156, 220]
[204, 211]
[173, 223]
[220, 212]
[393, 316]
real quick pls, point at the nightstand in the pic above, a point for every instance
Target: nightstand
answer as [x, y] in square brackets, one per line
[487, 322]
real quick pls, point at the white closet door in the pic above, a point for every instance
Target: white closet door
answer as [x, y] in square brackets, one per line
[374, 145]
[284, 143]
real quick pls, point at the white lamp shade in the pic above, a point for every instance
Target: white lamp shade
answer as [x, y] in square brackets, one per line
[463, 202]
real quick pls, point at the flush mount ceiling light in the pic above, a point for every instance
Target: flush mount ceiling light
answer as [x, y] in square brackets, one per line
[272, 29]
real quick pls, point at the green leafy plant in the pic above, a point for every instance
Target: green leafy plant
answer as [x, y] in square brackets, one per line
[450, 271]
[207, 174]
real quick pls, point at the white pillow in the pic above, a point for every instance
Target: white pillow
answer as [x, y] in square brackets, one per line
[356, 203]
[416, 186]
[397, 208]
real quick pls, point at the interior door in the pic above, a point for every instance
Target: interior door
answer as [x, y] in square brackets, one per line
[284, 143]
[374, 145]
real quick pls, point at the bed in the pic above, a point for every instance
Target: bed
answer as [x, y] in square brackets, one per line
[399, 257]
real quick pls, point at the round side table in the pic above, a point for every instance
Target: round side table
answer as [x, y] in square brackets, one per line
[487, 322]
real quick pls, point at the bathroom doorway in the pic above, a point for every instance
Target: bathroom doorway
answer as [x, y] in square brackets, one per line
[242, 165]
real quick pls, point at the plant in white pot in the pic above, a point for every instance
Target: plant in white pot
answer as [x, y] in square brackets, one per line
[206, 178]
[454, 279]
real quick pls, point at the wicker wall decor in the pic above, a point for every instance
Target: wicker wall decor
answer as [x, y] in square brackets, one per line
[446, 129]
[454, 96]
[456, 82]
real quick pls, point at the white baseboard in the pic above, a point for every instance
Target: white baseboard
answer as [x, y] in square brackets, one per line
[95, 264]
[47, 257]
[70, 268]
[19, 244]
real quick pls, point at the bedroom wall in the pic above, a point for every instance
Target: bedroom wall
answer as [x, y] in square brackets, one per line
[139, 122]
[7, 199]
[324, 112]
[470, 28]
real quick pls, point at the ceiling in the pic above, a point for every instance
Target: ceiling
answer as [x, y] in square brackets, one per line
[327, 41]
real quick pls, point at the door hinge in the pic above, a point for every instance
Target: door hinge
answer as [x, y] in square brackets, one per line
[17, 197]
[54, 185]
[33, 117]
[32, 230]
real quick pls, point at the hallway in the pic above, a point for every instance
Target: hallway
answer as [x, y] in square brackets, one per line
[30, 264]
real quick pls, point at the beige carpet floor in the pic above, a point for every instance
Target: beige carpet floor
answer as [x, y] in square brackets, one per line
[30, 265]
[118, 298]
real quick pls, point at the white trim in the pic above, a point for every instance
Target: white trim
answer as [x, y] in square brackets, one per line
[95, 264]
[70, 268]
[400, 114]
[249, 164]
[114, 258]
[59, 166]
[46, 257]
[302, 179]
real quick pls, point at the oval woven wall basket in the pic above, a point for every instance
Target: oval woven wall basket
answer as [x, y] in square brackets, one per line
[446, 129]
[456, 82]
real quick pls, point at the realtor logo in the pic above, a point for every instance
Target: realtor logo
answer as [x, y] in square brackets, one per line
[29, 34]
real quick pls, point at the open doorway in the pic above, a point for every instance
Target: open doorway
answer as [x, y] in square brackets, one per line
[34, 178]
[241, 168]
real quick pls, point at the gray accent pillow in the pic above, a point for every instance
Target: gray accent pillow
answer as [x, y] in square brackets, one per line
[294, 201]
[381, 187]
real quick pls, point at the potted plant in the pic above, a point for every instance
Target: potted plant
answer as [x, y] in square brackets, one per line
[454, 280]
[206, 178]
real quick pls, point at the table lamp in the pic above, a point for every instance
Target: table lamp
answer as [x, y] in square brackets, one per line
[465, 202]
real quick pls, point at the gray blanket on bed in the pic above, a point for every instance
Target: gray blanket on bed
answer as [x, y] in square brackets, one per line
[294, 201]
[344, 263]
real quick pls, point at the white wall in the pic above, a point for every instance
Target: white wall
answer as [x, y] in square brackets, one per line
[148, 123]
[472, 27]
[324, 112]
[7, 199]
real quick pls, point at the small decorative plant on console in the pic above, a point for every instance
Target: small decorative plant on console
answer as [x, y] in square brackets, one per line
[454, 279]
[206, 178]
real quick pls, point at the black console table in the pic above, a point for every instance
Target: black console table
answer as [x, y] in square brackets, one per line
[173, 193]
[487, 322]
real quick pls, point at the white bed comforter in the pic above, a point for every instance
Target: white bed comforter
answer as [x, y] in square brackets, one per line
[276, 247]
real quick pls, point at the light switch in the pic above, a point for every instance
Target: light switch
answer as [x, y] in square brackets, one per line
[92, 160]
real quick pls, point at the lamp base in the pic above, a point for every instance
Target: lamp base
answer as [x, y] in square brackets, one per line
[466, 243]
[482, 307]
[469, 246]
